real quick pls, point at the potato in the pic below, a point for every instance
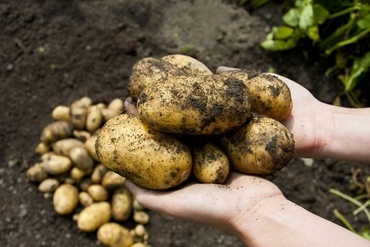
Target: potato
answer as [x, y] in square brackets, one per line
[94, 118]
[210, 163]
[81, 135]
[141, 217]
[188, 64]
[90, 146]
[55, 164]
[77, 174]
[115, 235]
[195, 105]
[81, 158]
[270, 95]
[98, 193]
[49, 185]
[94, 216]
[149, 70]
[85, 199]
[149, 158]
[122, 204]
[55, 131]
[262, 146]
[98, 173]
[61, 112]
[79, 111]
[112, 180]
[36, 173]
[42, 148]
[63, 147]
[65, 199]
[116, 105]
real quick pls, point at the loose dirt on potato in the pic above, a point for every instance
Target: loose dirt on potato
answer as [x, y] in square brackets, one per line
[54, 52]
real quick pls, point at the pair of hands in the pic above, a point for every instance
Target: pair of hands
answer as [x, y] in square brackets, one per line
[232, 206]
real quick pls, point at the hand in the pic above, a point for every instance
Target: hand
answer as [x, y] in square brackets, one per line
[228, 207]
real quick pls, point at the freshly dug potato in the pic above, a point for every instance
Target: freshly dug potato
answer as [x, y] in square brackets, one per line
[55, 131]
[210, 163]
[48, 185]
[81, 158]
[79, 111]
[195, 105]
[122, 204]
[94, 216]
[149, 70]
[270, 96]
[262, 146]
[64, 146]
[98, 193]
[94, 118]
[36, 173]
[61, 112]
[90, 146]
[55, 164]
[65, 199]
[149, 158]
[115, 235]
[188, 64]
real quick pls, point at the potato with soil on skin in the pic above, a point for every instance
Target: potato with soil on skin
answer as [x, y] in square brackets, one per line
[261, 146]
[114, 235]
[270, 96]
[149, 158]
[149, 70]
[195, 105]
[122, 203]
[55, 131]
[188, 64]
[65, 199]
[210, 163]
[93, 216]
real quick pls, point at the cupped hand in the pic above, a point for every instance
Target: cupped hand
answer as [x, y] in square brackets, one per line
[228, 207]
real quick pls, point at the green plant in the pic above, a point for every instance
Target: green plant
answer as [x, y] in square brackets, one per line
[338, 30]
[362, 201]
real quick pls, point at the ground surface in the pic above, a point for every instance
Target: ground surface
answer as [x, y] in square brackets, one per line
[54, 52]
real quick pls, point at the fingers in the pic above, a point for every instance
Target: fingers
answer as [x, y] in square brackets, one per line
[130, 106]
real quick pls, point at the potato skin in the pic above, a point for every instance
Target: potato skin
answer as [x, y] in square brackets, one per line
[210, 163]
[188, 64]
[149, 158]
[262, 146]
[195, 105]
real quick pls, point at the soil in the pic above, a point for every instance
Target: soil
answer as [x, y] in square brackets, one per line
[54, 52]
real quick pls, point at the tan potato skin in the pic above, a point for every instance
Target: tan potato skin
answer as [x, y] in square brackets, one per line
[149, 158]
[262, 146]
[270, 96]
[147, 71]
[195, 105]
[210, 164]
[188, 64]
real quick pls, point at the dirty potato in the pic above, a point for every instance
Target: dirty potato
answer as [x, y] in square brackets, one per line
[94, 216]
[210, 163]
[149, 158]
[65, 199]
[262, 146]
[195, 105]
[188, 64]
[114, 235]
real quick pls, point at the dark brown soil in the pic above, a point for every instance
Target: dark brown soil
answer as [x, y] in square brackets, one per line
[54, 52]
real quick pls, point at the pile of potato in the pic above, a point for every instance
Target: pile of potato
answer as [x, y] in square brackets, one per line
[70, 172]
[189, 122]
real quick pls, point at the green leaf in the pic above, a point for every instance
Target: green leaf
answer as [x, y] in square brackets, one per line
[279, 45]
[306, 19]
[320, 14]
[365, 232]
[364, 22]
[359, 68]
[282, 32]
[291, 18]
[313, 33]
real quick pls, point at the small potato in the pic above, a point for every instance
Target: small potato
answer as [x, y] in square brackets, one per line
[85, 199]
[61, 112]
[189, 65]
[270, 95]
[116, 105]
[149, 70]
[63, 147]
[79, 111]
[94, 216]
[108, 113]
[98, 173]
[149, 158]
[55, 131]
[65, 199]
[56, 164]
[81, 158]
[81, 135]
[195, 105]
[262, 146]
[122, 204]
[36, 173]
[210, 164]
[94, 118]
[98, 193]
[90, 146]
[141, 217]
[42, 148]
[112, 180]
[49, 185]
[114, 235]
[77, 174]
